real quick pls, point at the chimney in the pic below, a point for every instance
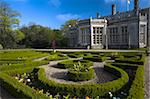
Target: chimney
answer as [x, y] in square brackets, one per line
[113, 9]
[136, 4]
[97, 15]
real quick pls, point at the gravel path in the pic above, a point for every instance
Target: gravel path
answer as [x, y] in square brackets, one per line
[147, 78]
[40, 59]
[59, 75]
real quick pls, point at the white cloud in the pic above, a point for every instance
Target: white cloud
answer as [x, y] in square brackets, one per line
[55, 3]
[68, 16]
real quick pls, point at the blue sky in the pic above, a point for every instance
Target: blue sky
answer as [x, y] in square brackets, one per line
[53, 13]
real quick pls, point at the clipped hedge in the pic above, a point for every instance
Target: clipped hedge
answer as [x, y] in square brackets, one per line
[80, 76]
[131, 60]
[125, 65]
[10, 62]
[94, 58]
[21, 55]
[137, 89]
[75, 55]
[23, 65]
[56, 56]
[81, 90]
[70, 63]
[19, 90]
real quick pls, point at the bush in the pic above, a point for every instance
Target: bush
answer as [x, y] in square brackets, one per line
[21, 55]
[70, 63]
[137, 88]
[80, 73]
[23, 65]
[56, 56]
[133, 60]
[125, 65]
[80, 76]
[10, 62]
[75, 55]
[19, 90]
[82, 90]
[94, 58]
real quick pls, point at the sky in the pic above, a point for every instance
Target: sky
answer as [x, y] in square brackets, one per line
[53, 13]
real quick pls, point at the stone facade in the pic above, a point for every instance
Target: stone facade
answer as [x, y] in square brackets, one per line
[121, 30]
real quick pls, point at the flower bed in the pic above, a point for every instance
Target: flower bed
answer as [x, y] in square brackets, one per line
[70, 63]
[80, 72]
[19, 90]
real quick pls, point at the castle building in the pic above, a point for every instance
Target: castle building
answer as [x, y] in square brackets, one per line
[120, 30]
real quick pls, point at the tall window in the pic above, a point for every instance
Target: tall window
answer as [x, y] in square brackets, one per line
[114, 36]
[142, 34]
[97, 35]
[125, 36]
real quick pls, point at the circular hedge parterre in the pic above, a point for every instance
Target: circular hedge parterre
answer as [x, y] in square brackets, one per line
[80, 76]
[92, 90]
[70, 63]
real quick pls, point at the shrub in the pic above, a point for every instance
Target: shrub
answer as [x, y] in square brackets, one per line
[21, 55]
[75, 55]
[82, 90]
[80, 73]
[133, 60]
[137, 88]
[94, 58]
[19, 90]
[23, 65]
[56, 56]
[70, 63]
[80, 76]
[10, 62]
[125, 65]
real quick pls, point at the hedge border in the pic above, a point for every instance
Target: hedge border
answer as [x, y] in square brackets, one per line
[81, 76]
[18, 89]
[137, 88]
[92, 90]
[69, 63]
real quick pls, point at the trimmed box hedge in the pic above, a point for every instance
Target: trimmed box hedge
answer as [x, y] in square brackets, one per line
[10, 62]
[137, 89]
[21, 55]
[75, 55]
[95, 58]
[70, 63]
[81, 76]
[131, 60]
[125, 65]
[19, 90]
[23, 65]
[92, 90]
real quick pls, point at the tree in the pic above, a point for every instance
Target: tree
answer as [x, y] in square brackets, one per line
[8, 21]
[37, 36]
[61, 40]
[67, 24]
[65, 28]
